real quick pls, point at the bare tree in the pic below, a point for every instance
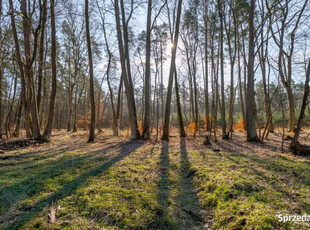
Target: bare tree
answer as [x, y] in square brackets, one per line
[250, 116]
[49, 126]
[294, 146]
[91, 137]
[147, 114]
[283, 21]
[1, 69]
[165, 135]
[126, 75]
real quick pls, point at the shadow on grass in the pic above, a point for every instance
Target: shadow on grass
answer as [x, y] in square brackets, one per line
[162, 220]
[275, 165]
[35, 179]
[19, 160]
[233, 146]
[188, 200]
[126, 149]
[186, 203]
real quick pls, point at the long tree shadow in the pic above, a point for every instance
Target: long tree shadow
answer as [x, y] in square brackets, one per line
[238, 145]
[187, 199]
[19, 160]
[273, 165]
[22, 218]
[54, 169]
[162, 220]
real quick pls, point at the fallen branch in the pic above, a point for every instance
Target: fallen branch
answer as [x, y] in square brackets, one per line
[15, 144]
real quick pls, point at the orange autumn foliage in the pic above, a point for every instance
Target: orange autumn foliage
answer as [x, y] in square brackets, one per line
[239, 126]
[191, 128]
[140, 127]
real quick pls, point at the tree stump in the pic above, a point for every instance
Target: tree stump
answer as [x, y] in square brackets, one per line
[300, 150]
[207, 141]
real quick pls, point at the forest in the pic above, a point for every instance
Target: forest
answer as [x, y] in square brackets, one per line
[155, 114]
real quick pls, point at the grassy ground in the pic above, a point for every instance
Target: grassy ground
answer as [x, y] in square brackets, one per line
[114, 184]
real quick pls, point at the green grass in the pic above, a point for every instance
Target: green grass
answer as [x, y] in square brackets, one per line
[150, 186]
[247, 191]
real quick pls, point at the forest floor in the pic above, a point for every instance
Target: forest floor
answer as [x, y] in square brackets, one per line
[116, 184]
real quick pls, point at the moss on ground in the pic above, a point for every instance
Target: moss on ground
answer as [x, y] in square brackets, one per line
[142, 185]
[247, 191]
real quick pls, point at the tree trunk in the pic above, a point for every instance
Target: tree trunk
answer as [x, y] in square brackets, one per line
[8, 117]
[49, 126]
[292, 146]
[161, 83]
[31, 107]
[223, 115]
[263, 55]
[91, 137]
[147, 81]
[291, 125]
[70, 89]
[126, 78]
[60, 109]
[114, 115]
[41, 56]
[21, 70]
[180, 119]
[250, 116]
[1, 69]
[165, 135]
[239, 71]
[208, 128]
[18, 118]
[75, 116]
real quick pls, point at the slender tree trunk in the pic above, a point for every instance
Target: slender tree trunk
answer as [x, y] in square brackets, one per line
[70, 89]
[31, 107]
[196, 103]
[216, 101]
[191, 97]
[41, 56]
[59, 120]
[172, 69]
[266, 92]
[98, 103]
[49, 126]
[147, 82]
[208, 128]
[114, 115]
[126, 77]
[21, 70]
[8, 117]
[291, 103]
[85, 108]
[19, 110]
[1, 69]
[223, 115]
[179, 110]
[60, 109]
[250, 103]
[232, 56]
[91, 137]
[239, 76]
[119, 105]
[292, 146]
[161, 83]
[74, 128]
[45, 105]
[263, 55]
[121, 109]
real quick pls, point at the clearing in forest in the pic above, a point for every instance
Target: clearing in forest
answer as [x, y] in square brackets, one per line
[180, 184]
